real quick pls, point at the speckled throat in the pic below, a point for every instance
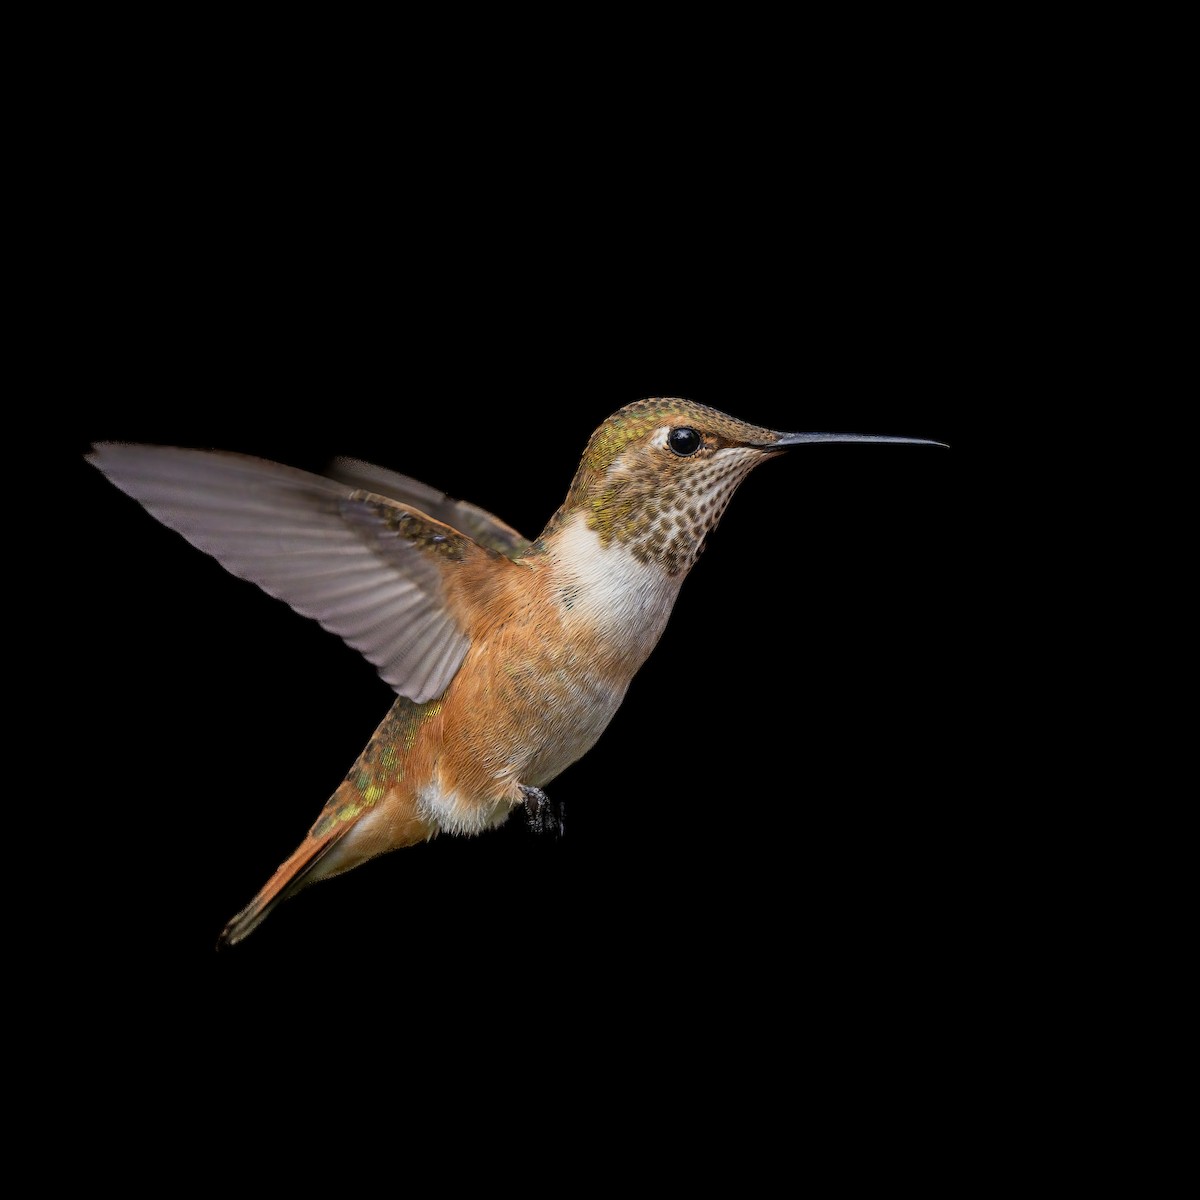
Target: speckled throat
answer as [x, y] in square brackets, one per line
[636, 492]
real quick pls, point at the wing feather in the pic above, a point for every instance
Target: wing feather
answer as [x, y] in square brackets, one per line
[488, 530]
[366, 566]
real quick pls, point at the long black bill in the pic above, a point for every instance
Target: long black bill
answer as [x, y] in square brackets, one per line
[799, 439]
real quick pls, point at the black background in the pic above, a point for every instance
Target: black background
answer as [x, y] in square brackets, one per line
[775, 842]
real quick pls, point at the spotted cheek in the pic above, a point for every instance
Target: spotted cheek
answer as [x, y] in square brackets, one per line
[654, 543]
[672, 524]
[721, 484]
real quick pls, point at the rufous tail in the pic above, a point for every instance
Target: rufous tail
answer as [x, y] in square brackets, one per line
[288, 879]
[373, 789]
[327, 851]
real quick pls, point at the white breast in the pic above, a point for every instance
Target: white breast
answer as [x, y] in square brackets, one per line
[622, 598]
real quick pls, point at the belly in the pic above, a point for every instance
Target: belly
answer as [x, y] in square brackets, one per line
[524, 717]
[569, 725]
[522, 727]
[544, 678]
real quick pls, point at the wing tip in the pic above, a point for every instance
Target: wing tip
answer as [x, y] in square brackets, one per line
[100, 453]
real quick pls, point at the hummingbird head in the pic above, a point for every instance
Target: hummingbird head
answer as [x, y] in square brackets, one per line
[657, 476]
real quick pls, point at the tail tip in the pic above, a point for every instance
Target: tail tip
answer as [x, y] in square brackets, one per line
[235, 930]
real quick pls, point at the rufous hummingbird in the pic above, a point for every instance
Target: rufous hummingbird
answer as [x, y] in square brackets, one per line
[509, 657]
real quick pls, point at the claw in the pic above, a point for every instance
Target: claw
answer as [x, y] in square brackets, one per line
[542, 813]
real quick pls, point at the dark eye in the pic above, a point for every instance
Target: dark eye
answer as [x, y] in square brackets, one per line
[683, 441]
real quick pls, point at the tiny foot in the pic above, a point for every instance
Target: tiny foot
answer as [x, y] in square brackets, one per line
[543, 814]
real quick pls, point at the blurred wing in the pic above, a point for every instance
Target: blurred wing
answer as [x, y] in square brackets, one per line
[480, 524]
[367, 568]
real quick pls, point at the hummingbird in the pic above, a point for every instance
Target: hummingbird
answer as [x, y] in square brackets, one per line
[509, 656]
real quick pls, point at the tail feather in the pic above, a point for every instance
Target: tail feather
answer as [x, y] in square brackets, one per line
[288, 879]
[396, 820]
[375, 805]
